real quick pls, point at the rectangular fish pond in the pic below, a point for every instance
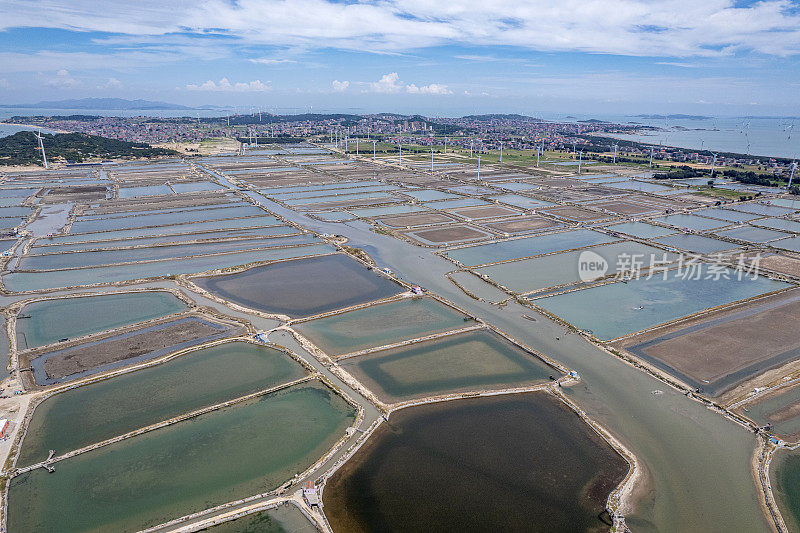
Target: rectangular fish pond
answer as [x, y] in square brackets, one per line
[379, 325]
[67, 364]
[467, 361]
[526, 247]
[207, 376]
[32, 281]
[218, 457]
[617, 309]
[48, 321]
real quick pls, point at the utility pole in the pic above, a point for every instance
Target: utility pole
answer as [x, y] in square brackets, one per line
[537, 157]
[501, 151]
[470, 148]
[431, 157]
[400, 144]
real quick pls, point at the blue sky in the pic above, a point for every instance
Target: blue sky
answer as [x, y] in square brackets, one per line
[712, 57]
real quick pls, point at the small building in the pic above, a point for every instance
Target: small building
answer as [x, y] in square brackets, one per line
[3, 427]
[311, 495]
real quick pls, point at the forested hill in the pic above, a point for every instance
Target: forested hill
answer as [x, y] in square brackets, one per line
[22, 148]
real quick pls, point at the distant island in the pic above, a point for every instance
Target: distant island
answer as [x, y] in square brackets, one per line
[97, 103]
[22, 148]
[674, 117]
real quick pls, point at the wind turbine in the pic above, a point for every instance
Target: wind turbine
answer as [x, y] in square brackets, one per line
[713, 164]
[501, 151]
[431, 157]
[38, 135]
[479, 168]
[615, 154]
[373, 150]
[580, 160]
[791, 175]
[651, 157]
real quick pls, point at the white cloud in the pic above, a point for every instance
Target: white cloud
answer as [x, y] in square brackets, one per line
[340, 86]
[112, 83]
[223, 85]
[433, 88]
[271, 61]
[389, 83]
[677, 64]
[61, 80]
[666, 28]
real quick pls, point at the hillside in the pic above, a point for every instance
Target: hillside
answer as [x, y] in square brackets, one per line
[22, 148]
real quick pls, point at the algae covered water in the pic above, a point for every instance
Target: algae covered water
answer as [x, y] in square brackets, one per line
[246, 449]
[99, 411]
[521, 462]
[49, 321]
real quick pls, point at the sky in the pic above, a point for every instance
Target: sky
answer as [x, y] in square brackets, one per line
[439, 58]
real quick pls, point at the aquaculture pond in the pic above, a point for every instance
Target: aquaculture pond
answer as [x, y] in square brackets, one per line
[466, 361]
[751, 234]
[617, 309]
[693, 222]
[378, 325]
[107, 257]
[640, 229]
[781, 409]
[521, 462]
[159, 219]
[303, 288]
[102, 410]
[282, 519]
[31, 281]
[695, 243]
[526, 247]
[48, 321]
[785, 478]
[551, 270]
[726, 214]
[221, 456]
[43, 246]
[388, 210]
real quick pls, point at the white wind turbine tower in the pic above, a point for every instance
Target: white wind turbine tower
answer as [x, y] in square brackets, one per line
[615, 154]
[713, 164]
[38, 135]
[651, 158]
[580, 160]
[791, 175]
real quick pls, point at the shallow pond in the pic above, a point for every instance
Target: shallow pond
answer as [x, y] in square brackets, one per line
[48, 321]
[378, 325]
[303, 288]
[184, 468]
[99, 411]
[521, 462]
[462, 362]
